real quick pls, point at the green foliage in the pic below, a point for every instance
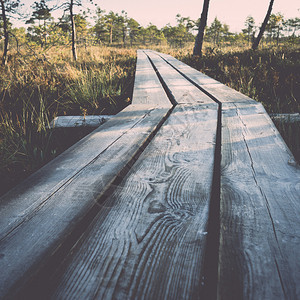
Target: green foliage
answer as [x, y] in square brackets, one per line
[218, 33]
[249, 31]
[9, 6]
[152, 35]
[41, 12]
[133, 31]
[178, 36]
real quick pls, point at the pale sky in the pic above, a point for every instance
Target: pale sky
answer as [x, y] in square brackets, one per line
[231, 12]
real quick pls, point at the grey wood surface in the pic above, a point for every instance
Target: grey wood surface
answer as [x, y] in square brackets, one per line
[78, 121]
[216, 89]
[186, 69]
[39, 214]
[147, 88]
[148, 240]
[17, 204]
[260, 209]
[182, 90]
[286, 118]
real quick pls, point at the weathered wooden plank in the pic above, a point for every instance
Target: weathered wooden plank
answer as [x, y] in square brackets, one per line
[41, 213]
[218, 90]
[182, 90]
[260, 209]
[187, 70]
[29, 195]
[286, 118]
[78, 121]
[148, 240]
[147, 88]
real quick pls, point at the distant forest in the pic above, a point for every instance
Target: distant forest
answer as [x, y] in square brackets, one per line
[102, 28]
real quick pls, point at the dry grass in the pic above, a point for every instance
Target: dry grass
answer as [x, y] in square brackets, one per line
[33, 91]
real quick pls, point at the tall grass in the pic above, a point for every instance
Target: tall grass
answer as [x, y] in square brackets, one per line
[33, 92]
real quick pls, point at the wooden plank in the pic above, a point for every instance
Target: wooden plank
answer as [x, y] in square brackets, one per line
[286, 118]
[182, 90]
[148, 240]
[17, 204]
[226, 94]
[78, 121]
[218, 90]
[147, 88]
[41, 213]
[187, 70]
[260, 209]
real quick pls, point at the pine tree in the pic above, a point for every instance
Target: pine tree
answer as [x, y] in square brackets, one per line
[7, 7]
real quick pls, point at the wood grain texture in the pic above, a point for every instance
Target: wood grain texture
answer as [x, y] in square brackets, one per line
[148, 240]
[182, 90]
[33, 192]
[260, 209]
[30, 235]
[147, 88]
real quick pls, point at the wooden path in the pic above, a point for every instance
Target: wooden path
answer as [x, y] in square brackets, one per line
[188, 193]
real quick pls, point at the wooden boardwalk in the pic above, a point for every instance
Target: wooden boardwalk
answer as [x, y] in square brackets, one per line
[188, 193]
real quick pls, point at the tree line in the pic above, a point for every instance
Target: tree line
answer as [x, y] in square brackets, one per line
[119, 29]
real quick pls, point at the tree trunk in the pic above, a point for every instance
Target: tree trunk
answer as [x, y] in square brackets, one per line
[199, 39]
[111, 34]
[124, 37]
[73, 31]
[5, 31]
[45, 34]
[263, 26]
